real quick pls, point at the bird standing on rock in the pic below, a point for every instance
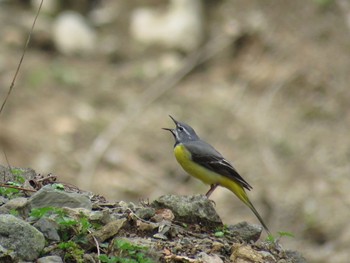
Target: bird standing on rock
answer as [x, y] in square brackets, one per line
[204, 162]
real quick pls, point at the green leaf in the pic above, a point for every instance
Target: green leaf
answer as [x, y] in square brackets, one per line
[285, 234]
[219, 234]
[57, 186]
[40, 212]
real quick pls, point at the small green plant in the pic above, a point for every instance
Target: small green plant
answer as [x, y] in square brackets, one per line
[38, 213]
[273, 239]
[221, 231]
[69, 228]
[17, 172]
[73, 251]
[9, 192]
[72, 231]
[14, 212]
[58, 186]
[127, 253]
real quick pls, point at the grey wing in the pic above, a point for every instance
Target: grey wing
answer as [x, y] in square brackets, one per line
[207, 156]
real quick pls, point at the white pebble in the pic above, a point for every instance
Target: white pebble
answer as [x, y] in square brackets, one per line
[73, 35]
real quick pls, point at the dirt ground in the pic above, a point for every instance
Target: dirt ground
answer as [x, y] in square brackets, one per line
[275, 101]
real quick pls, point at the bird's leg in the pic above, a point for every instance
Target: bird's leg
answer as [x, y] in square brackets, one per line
[211, 190]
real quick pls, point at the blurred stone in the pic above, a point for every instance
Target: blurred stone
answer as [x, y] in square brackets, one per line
[245, 253]
[72, 34]
[50, 259]
[190, 209]
[145, 212]
[47, 196]
[180, 27]
[21, 237]
[107, 231]
[295, 256]
[17, 204]
[205, 258]
[12, 173]
[48, 227]
[7, 256]
[245, 231]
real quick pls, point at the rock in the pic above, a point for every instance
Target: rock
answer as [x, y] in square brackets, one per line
[180, 27]
[72, 34]
[205, 258]
[106, 232]
[47, 196]
[190, 209]
[17, 204]
[246, 232]
[295, 256]
[17, 235]
[101, 217]
[145, 212]
[11, 174]
[3, 200]
[7, 256]
[245, 253]
[48, 227]
[50, 259]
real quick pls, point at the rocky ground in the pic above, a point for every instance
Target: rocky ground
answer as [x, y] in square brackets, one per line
[265, 82]
[43, 221]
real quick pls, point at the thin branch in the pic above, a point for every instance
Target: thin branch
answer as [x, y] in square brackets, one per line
[97, 246]
[16, 187]
[21, 60]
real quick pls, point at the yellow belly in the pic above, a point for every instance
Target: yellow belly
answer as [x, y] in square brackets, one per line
[184, 159]
[208, 177]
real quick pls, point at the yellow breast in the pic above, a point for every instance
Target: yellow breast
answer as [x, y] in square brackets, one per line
[183, 156]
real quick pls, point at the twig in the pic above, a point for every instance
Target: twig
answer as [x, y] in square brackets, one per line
[97, 245]
[117, 126]
[21, 60]
[17, 187]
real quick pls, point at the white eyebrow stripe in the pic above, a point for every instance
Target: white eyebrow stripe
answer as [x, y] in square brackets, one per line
[189, 135]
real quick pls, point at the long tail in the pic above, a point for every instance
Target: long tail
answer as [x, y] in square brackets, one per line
[250, 205]
[239, 191]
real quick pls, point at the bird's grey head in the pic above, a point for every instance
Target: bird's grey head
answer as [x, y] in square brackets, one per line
[182, 132]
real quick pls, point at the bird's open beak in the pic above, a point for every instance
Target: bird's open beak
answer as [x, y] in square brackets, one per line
[171, 130]
[175, 121]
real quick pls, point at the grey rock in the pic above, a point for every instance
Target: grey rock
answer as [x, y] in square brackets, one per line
[18, 204]
[7, 256]
[245, 231]
[145, 212]
[205, 258]
[50, 259]
[295, 256]
[106, 232]
[8, 174]
[47, 196]
[3, 200]
[48, 227]
[17, 235]
[196, 209]
[103, 217]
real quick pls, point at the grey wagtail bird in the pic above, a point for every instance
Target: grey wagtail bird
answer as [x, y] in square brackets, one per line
[204, 162]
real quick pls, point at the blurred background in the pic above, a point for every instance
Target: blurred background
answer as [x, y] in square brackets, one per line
[265, 82]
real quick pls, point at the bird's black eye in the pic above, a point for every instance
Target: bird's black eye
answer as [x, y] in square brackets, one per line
[180, 128]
